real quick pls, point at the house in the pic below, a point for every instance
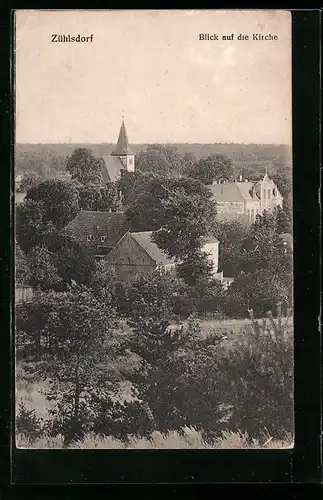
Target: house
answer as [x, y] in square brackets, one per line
[245, 200]
[98, 231]
[136, 254]
[122, 158]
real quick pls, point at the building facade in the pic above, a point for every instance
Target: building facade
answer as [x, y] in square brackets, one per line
[245, 200]
[137, 255]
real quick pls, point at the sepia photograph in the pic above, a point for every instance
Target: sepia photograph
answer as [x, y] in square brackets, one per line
[153, 235]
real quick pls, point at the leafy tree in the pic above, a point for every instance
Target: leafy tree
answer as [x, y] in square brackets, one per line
[256, 379]
[152, 161]
[147, 212]
[71, 258]
[101, 199]
[231, 235]
[84, 167]
[30, 224]
[59, 201]
[43, 272]
[171, 153]
[215, 167]
[22, 271]
[187, 219]
[188, 162]
[29, 180]
[259, 291]
[103, 281]
[171, 378]
[132, 184]
[74, 338]
[283, 222]
[264, 248]
[196, 268]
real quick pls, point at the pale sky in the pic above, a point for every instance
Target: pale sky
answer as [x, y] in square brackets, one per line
[171, 86]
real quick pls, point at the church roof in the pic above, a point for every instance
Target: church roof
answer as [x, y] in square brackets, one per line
[112, 170]
[157, 255]
[122, 147]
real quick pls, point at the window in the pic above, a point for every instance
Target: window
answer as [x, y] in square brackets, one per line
[274, 192]
[264, 194]
[103, 238]
[89, 237]
[130, 161]
[269, 193]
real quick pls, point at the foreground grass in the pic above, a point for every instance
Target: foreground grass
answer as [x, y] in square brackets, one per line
[188, 438]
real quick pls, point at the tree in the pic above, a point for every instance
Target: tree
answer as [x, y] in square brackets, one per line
[215, 167]
[264, 248]
[71, 258]
[196, 268]
[101, 199]
[75, 343]
[284, 180]
[132, 184]
[22, 271]
[29, 180]
[173, 156]
[176, 376]
[43, 272]
[152, 161]
[147, 212]
[186, 220]
[84, 167]
[30, 224]
[259, 291]
[59, 201]
[231, 235]
[103, 281]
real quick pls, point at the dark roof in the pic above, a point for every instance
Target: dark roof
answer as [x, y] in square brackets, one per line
[144, 240]
[112, 170]
[113, 225]
[122, 147]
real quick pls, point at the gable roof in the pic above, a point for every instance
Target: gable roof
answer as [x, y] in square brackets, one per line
[228, 191]
[122, 147]
[112, 170]
[113, 225]
[233, 192]
[144, 240]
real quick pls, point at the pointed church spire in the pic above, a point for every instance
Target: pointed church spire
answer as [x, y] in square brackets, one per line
[122, 148]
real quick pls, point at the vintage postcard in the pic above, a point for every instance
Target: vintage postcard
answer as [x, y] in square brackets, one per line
[153, 229]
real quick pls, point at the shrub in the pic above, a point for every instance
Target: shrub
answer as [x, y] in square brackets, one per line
[256, 378]
[259, 291]
[28, 424]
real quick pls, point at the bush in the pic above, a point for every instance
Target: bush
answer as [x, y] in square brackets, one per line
[28, 424]
[259, 291]
[256, 379]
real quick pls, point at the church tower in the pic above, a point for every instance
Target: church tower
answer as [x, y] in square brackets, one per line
[123, 151]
